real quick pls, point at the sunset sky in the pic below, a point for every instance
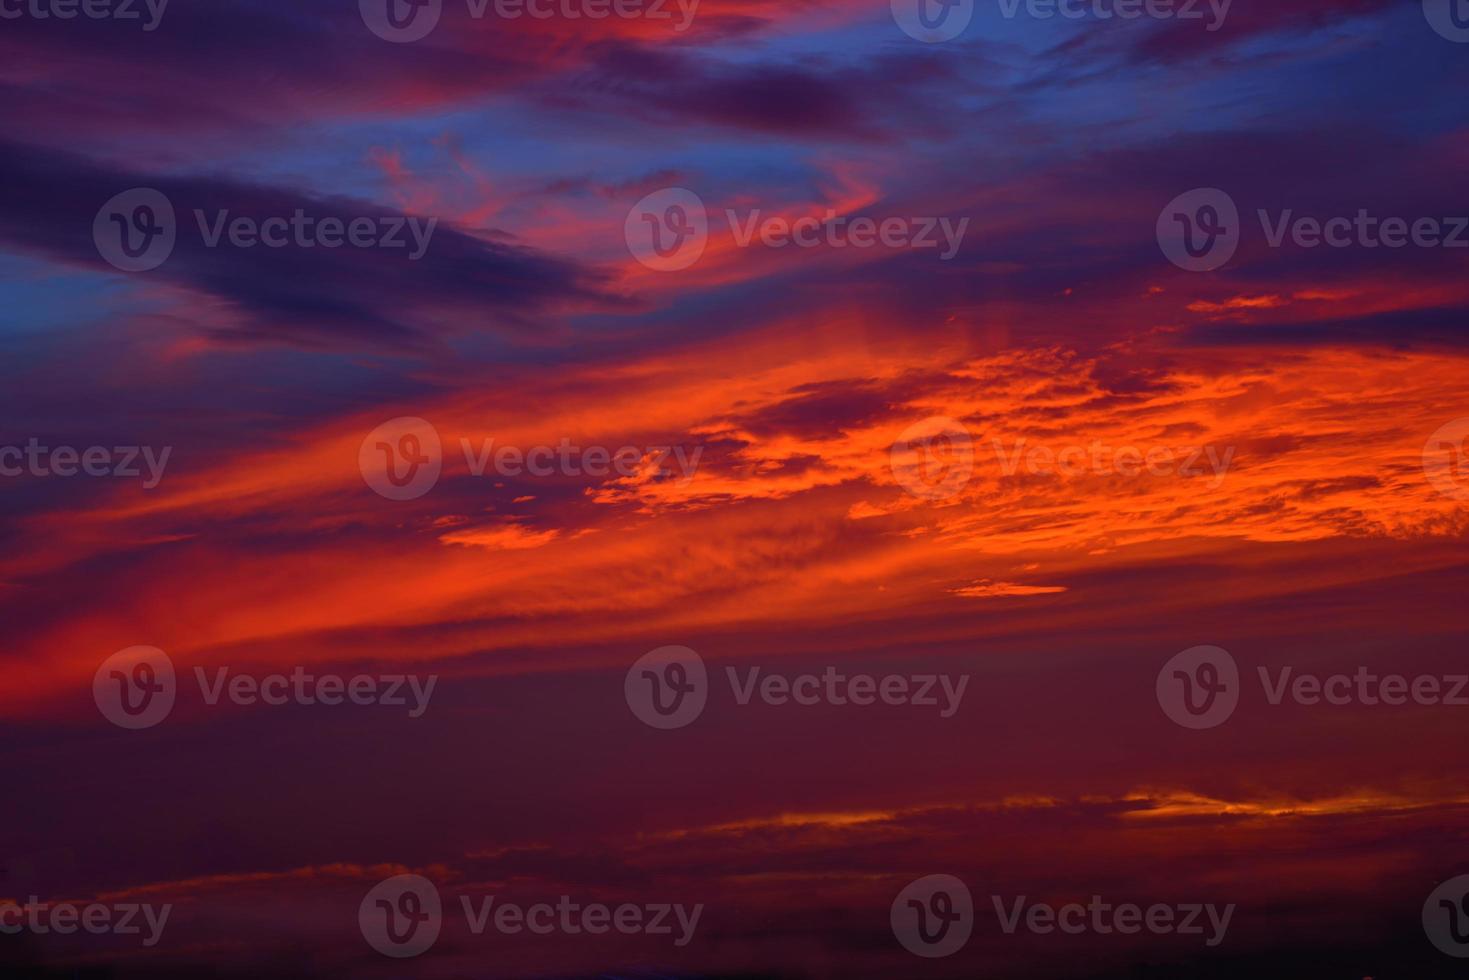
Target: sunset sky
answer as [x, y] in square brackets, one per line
[1304, 506]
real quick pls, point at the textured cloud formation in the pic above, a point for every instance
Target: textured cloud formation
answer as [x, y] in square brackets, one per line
[1154, 459]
